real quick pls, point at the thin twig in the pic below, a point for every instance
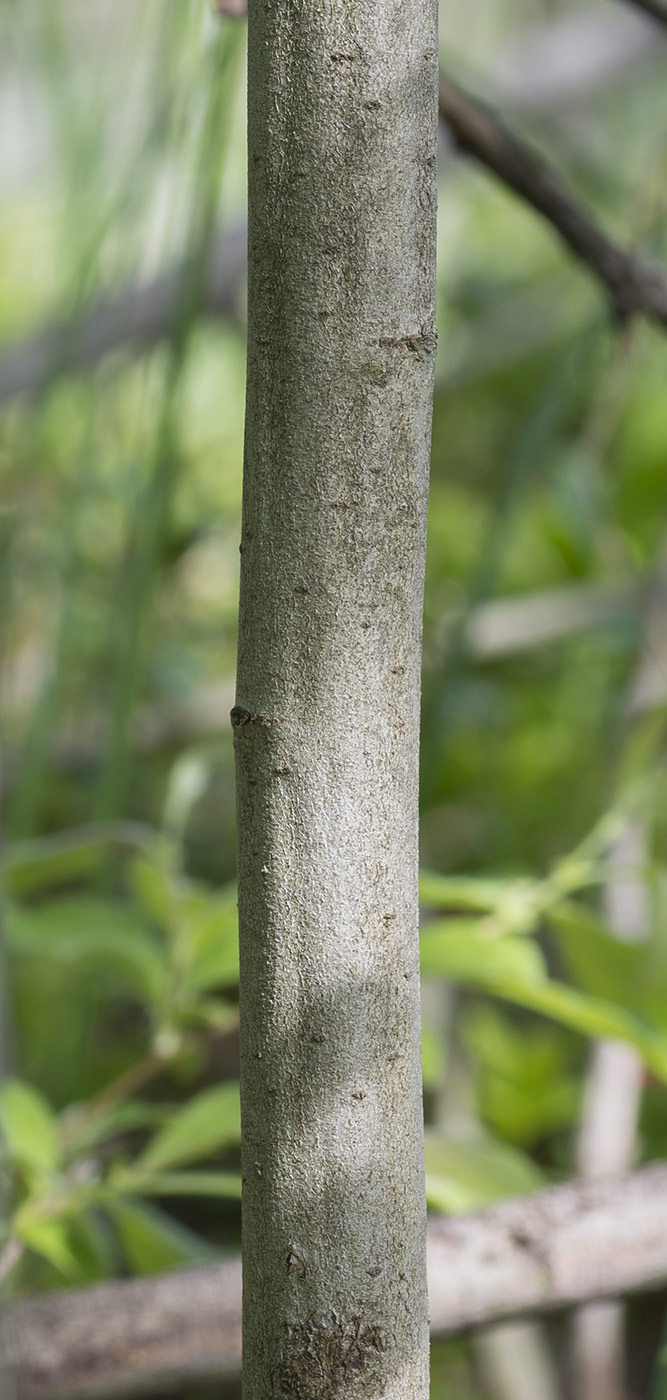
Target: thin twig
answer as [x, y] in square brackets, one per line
[9, 1258]
[608, 1131]
[634, 285]
[655, 8]
[135, 1078]
[140, 316]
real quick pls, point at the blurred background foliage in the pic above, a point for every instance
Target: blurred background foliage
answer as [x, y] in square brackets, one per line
[123, 174]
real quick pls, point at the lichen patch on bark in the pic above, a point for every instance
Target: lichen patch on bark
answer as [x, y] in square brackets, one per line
[326, 1359]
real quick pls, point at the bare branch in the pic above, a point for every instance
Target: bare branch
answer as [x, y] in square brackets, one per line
[136, 318]
[233, 9]
[560, 62]
[558, 1248]
[9, 1257]
[655, 8]
[634, 285]
[509, 626]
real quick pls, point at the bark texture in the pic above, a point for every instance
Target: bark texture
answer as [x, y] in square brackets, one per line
[341, 286]
[557, 1248]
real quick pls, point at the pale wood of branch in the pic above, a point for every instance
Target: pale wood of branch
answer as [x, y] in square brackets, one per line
[558, 1248]
[608, 1132]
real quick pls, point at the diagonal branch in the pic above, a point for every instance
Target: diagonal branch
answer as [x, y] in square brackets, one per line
[657, 9]
[140, 316]
[634, 285]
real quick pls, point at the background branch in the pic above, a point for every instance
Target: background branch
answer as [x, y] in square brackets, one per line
[137, 318]
[560, 62]
[608, 1132]
[655, 8]
[552, 1250]
[568, 59]
[633, 285]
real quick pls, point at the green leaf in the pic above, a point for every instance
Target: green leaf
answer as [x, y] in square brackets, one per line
[513, 969]
[29, 1126]
[92, 1243]
[462, 1175]
[50, 1239]
[457, 948]
[83, 929]
[226, 1184]
[595, 959]
[512, 906]
[211, 928]
[151, 884]
[526, 1087]
[151, 1241]
[590, 1016]
[460, 892]
[203, 1126]
[47, 861]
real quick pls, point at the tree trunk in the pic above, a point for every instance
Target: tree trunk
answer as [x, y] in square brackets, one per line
[342, 203]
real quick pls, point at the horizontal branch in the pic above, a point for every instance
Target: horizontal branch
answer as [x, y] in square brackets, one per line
[557, 1248]
[506, 627]
[138, 317]
[634, 285]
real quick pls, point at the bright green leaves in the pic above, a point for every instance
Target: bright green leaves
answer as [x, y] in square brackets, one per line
[168, 943]
[152, 1241]
[168, 947]
[199, 932]
[28, 1128]
[31, 1151]
[213, 931]
[49, 1239]
[209, 1122]
[620, 990]
[464, 1174]
[461, 950]
[62, 1185]
[526, 1085]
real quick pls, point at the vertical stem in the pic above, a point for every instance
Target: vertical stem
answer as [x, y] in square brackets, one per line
[342, 203]
[608, 1131]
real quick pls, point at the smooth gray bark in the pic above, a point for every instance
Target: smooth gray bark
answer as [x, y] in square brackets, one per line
[342, 208]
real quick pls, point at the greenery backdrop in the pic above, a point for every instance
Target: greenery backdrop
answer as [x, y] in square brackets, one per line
[119, 527]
